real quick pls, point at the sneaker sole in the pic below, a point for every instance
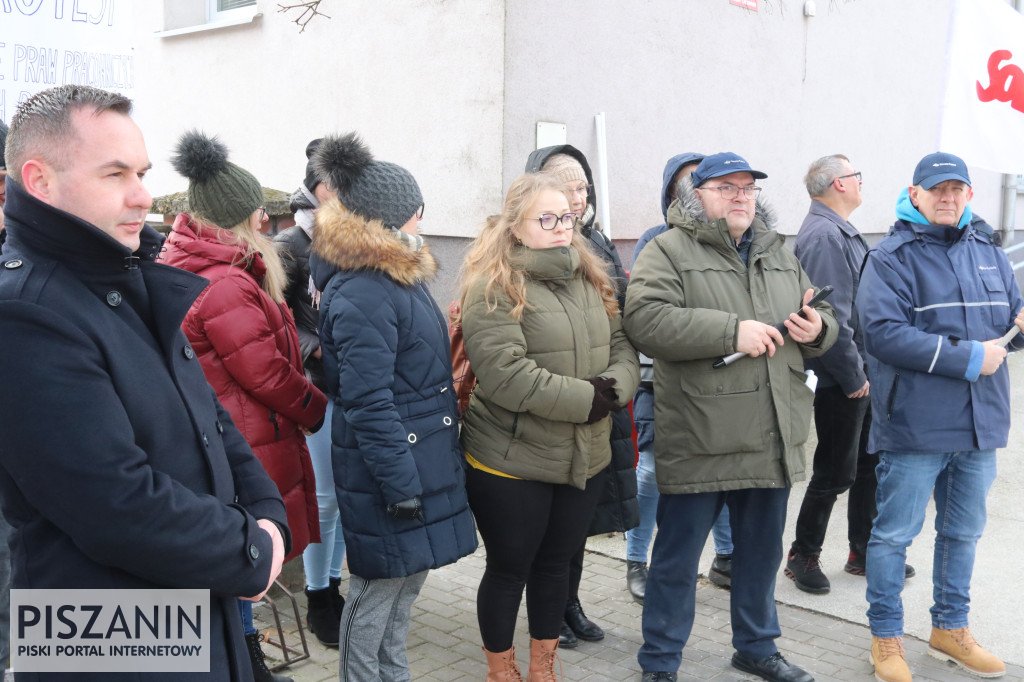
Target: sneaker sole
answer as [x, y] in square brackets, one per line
[854, 570]
[804, 588]
[943, 656]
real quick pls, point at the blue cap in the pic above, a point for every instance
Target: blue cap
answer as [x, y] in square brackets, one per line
[725, 163]
[939, 167]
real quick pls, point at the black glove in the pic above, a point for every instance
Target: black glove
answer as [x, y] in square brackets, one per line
[407, 510]
[604, 399]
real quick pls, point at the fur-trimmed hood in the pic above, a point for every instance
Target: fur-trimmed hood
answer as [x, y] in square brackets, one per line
[343, 240]
[687, 213]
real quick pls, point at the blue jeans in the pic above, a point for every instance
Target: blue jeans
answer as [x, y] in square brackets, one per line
[758, 518]
[322, 560]
[638, 540]
[960, 481]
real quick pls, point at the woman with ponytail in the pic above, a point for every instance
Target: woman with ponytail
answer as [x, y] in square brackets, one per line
[244, 336]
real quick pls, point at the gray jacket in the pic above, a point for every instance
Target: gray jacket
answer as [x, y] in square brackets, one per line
[831, 251]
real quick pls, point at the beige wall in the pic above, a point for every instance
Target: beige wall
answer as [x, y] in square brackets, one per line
[453, 89]
[863, 77]
[421, 80]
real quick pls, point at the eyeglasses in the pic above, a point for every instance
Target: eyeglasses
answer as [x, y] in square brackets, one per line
[732, 191]
[583, 191]
[549, 220]
[419, 212]
[263, 213]
[857, 175]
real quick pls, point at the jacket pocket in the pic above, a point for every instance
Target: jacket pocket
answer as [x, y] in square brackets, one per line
[801, 406]
[720, 410]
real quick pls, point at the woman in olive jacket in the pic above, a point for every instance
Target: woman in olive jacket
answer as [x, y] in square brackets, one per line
[544, 337]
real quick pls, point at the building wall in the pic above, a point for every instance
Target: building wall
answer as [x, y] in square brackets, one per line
[863, 78]
[421, 80]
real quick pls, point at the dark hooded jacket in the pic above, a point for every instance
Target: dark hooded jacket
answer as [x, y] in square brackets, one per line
[742, 426]
[294, 245]
[395, 426]
[643, 401]
[119, 469]
[617, 508]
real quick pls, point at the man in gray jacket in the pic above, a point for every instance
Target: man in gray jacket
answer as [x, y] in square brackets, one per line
[716, 283]
[831, 251]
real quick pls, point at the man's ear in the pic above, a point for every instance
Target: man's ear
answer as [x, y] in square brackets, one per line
[912, 190]
[37, 177]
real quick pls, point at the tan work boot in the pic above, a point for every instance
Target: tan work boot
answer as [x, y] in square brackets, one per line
[543, 653]
[889, 659]
[959, 646]
[502, 666]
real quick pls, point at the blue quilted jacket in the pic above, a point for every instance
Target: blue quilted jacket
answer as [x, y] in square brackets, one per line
[395, 427]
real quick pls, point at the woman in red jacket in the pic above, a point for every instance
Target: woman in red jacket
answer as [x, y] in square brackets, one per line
[244, 335]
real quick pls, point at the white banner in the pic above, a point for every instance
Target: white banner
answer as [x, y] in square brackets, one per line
[45, 43]
[153, 630]
[983, 109]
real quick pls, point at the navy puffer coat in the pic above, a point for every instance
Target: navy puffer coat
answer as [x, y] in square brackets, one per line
[395, 426]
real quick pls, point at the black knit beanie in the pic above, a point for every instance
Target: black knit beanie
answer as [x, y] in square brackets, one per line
[312, 179]
[375, 190]
[218, 190]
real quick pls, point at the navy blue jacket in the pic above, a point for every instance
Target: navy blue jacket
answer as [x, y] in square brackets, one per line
[387, 364]
[617, 506]
[643, 401]
[926, 294]
[832, 251]
[118, 467]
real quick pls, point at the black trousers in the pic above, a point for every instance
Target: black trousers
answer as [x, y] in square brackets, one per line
[530, 530]
[841, 463]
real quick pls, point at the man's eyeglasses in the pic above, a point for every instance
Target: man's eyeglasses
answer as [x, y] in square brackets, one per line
[263, 213]
[857, 175]
[549, 220]
[583, 191]
[732, 191]
[419, 212]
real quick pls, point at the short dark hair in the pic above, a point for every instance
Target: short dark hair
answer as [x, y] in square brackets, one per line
[41, 126]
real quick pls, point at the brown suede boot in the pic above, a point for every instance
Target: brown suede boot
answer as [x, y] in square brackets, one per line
[502, 666]
[543, 653]
[889, 659]
[959, 647]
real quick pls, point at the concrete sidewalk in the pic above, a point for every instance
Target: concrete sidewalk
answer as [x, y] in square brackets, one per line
[444, 642]
[826, 634]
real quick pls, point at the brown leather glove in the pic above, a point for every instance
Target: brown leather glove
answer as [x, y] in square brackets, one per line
[604, 399]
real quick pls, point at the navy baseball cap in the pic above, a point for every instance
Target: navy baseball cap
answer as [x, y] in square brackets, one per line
[939, 167]
[717, 165]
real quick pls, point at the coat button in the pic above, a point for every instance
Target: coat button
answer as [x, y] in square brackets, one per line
[113, 299]
[254, 551]
[565, 273]
[12, 264]
[565, 250]
[220, 427]
[206, 441]
[188, 352]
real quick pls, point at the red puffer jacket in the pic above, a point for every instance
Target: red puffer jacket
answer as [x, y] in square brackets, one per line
[249, 351]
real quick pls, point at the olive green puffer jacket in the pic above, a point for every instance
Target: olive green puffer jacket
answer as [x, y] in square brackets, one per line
[526, 417]
[742, 426]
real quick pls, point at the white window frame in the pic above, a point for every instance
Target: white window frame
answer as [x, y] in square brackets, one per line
[216, 16]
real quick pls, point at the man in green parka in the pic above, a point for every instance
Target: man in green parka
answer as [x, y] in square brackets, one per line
[713, 285]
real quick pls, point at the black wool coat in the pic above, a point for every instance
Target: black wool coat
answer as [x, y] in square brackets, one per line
[118, 467]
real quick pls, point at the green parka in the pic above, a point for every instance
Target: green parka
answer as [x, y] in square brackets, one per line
[742, 426]
[526, 417]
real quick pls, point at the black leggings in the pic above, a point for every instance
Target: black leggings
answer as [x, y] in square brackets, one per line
[531, 530]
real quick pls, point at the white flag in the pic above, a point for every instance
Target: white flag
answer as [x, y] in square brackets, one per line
[983, 109]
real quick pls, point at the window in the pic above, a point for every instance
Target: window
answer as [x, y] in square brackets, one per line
[220, 10]
[189, 16]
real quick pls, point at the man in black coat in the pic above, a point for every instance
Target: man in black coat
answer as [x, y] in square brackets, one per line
[118, 467]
